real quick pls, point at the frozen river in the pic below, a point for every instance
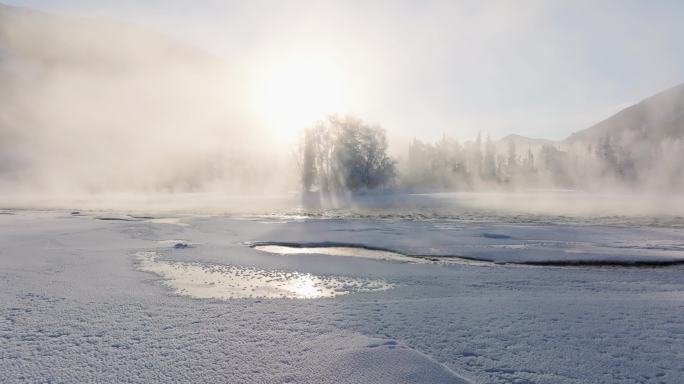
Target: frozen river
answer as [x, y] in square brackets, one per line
[339, 298]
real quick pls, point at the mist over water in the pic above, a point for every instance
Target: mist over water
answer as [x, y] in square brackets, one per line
[92, 106]
[104, 115]
[341, 191]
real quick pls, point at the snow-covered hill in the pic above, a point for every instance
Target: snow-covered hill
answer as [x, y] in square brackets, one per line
[659, 117]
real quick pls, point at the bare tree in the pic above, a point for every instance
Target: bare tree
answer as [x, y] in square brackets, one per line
[343, 153]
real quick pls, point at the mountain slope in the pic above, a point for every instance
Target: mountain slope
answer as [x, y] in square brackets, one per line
[654, 119]
[641, 146]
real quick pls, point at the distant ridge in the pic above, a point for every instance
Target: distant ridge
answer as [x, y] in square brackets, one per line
[654, 119]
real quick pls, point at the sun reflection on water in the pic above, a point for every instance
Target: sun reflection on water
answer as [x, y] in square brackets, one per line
[212, 281]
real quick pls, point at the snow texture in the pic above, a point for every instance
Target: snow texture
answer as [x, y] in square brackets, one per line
[75, 306]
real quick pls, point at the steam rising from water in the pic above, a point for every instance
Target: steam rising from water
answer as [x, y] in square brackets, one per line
[93, 106]
[102, 115]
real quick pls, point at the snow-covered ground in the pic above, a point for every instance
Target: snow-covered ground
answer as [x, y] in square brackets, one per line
[107, 297]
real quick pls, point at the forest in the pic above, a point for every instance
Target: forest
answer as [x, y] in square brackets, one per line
[344, 153]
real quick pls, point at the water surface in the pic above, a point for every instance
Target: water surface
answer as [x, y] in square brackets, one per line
[216, 281]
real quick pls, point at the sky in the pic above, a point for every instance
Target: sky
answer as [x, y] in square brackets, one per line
[426, 68]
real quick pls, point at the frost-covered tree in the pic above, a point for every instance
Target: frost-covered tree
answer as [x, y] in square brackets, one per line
[489, 164]
[438, 166]
[343, 153]
[556, 166]
[308, 160]
[476, 157]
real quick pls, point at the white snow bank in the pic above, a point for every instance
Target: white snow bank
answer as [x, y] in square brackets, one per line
[347, 358]
[73, 307]
[361, 252]
[336, 251]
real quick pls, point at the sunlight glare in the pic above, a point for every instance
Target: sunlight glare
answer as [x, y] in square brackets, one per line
[293, 95]
[305, 287]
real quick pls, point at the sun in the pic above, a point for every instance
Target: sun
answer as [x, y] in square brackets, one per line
[293, 95]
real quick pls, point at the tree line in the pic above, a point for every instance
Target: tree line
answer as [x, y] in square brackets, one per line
[344, 153]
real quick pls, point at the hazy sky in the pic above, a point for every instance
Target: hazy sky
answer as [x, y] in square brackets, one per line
[537, 68]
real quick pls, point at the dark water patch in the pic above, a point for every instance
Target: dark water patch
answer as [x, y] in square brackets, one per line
[496, 236]
[116, 219]
[605, 263]
[177, 243]
[320, 244]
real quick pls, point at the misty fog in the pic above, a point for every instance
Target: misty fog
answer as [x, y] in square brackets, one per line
[341, 191]
[93, 108]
